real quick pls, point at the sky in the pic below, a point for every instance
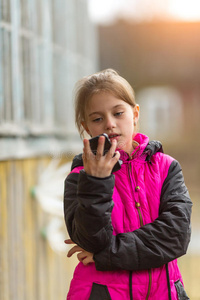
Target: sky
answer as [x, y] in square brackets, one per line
[106, 11]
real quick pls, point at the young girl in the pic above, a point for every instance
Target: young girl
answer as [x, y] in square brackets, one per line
[129, 226]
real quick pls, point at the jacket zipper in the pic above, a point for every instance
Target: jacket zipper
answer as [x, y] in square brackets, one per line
[137, 204]
[150, 282]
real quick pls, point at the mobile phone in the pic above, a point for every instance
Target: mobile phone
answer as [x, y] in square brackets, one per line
[94, 144]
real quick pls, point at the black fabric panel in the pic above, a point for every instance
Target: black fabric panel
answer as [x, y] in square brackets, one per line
[87, 206]
[99, 292]
[181, 291]
[152, 148]
[77, 161]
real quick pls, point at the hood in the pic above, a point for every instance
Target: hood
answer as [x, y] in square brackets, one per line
[144, 148]
[140, 141]
[152, 148]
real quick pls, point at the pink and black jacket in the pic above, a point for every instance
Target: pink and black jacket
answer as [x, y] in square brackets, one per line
[136, 222]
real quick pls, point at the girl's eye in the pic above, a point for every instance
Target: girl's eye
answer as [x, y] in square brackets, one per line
[118, 114]
[97, 120]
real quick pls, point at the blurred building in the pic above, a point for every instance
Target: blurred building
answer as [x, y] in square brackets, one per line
[45, 47]
[150, 53]
[161, 60]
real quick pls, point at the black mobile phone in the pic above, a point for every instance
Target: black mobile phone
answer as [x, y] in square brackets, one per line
[94, 144]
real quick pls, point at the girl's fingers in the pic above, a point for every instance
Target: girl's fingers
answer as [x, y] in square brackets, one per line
[87, 260]
[74, 250]
[85, 257]
[87, 152]
[100, 147]
[116, 157]
[81, 255]
[69, 241]
[99, 165]
[111, 152]
[86, 149]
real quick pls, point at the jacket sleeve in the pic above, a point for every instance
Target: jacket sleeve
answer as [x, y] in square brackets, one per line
[87, 207]
[156, 243]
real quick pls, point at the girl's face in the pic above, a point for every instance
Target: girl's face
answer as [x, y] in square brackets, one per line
[107, 114]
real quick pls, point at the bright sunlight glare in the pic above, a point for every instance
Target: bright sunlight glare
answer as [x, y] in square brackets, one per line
[102, 11]
[106, 11]
[185, 10]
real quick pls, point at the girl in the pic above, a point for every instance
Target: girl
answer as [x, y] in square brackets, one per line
[129, 226]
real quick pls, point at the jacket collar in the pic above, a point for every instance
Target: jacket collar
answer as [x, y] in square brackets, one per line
[143, 149]
[140, 142]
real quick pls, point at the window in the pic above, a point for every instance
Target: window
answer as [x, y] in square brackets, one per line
[46, 46]
[161, 112]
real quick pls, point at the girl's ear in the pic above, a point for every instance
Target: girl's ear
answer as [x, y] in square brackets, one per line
[136, 113]
[85, 127]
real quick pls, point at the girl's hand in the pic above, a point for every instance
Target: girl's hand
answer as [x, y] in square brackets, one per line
[83, 256]
[99, 165]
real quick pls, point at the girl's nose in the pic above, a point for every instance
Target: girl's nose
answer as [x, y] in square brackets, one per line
[109, 123]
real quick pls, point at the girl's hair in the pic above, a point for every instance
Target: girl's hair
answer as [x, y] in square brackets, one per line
[104, 81]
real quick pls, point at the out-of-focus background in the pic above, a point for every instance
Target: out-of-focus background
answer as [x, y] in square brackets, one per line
[45, 47]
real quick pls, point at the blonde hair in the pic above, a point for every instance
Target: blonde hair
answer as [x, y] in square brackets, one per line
[107, 80]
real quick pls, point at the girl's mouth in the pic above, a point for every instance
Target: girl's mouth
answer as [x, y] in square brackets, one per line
[113, 136]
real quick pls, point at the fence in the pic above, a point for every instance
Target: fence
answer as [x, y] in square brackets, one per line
[30, 269]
